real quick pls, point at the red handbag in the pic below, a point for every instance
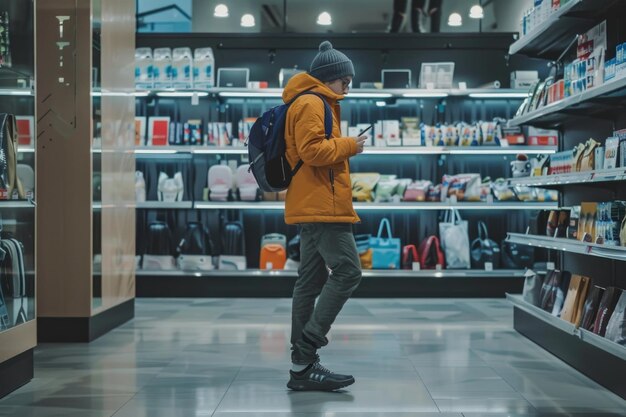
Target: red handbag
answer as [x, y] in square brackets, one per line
[430, 253]
[409, 255]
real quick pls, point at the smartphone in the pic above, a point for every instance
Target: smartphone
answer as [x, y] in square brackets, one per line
[365, 130]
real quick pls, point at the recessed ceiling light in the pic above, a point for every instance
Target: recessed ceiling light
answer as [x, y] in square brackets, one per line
[455, 19]
[247, 21]
[324, 19]
[477, 12]
[221, 10]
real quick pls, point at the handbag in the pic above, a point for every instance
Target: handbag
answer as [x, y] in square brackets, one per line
[590, 308]
[552, 293]
[385, 251]
[606, 309]
[430, 253]
[616, 329]
[575, 299]
[455, 240]
[514, 256]
[409, 255]
[484, 250]
[532, 287]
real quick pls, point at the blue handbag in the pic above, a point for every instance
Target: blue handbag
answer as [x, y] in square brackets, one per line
[385, 251]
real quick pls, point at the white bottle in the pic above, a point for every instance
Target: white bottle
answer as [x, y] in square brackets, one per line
[140, 187]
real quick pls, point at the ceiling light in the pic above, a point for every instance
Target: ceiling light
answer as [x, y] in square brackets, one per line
[221, 10]
[324, 19]
[247, 21]
[476, 12]
[455, 19]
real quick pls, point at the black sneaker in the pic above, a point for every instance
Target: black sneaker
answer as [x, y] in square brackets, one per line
[318, 378]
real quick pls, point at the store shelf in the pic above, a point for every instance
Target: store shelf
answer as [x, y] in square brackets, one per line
[555, 181]
[279, 205]
[567, 327]
[354, 94]
[569, 245]
[27, 92]
[160, 205]
[16, 204]
[549, 39]
[587, 103]
[391, 150]
[252, 273]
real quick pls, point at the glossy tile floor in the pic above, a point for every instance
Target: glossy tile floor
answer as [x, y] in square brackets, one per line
[229, 358]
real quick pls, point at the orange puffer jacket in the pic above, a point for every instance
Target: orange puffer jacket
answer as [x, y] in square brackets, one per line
[321, 191]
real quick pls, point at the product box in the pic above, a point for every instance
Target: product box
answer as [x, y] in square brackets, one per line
[587, 222]
[391, 132]
[379, 138]
[611, 148]
[203, 68]
[25, 131]
[513, 135]
[599, 158]
[542, 137]
[219, 134]
[182, 68]
[140, 131]
[621, 154]
[143, 68]
[244, 129]
[574, 219]
[192, 132]
[609, 69]
[523, 79]
[158, 131]
[370, 133]
[411, 133]
[162, 68]
[176, 133]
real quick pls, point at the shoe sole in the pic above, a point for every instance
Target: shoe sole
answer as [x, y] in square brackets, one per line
[308, 386]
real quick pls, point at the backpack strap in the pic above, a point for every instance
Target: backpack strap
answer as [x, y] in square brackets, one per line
[328, 122]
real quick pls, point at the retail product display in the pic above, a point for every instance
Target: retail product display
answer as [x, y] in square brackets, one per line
[385, 251]
[162, 68]
[396, 78]
[616, 328]
[233, 77]
[140, 187]
[26, 175]
[203, 68]
[436, 75]
[273, 251]
[453, 231]
[171, 189]
[182, 68]
[177, 68]
[13, 281]
[10, 184]
[233, 249]
[158, 253]
[247, 187]
[195, 249]
[430, 254]
[409, 256]
[484, 250]
[25, 131]
[158, 131]
[5, 41]
[285, 74]
[575, 298]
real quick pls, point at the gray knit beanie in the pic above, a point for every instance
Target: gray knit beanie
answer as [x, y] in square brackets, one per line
[330, 64]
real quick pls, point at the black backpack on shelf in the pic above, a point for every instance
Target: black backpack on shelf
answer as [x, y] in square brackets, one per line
[195, 241]
[159, 239]
[233, 241]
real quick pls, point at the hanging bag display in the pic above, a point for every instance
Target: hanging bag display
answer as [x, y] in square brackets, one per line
[484, 250]
[430, 253]
[233, 247]
[409, 256]
[616, 328]
[455, 240]
[385, 251]
[195, 249]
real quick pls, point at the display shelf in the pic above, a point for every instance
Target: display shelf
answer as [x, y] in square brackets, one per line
[160, 205]
[587, 177]
[354, 94]
[16, 204]
[583, 104]
[27, 92]
[390, 150]
[279, 205]
[550, 38]
[569, 328]
[251, 273]
[569, 245]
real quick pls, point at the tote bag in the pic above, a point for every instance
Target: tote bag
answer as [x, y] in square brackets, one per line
[455, 240]
[385, 251]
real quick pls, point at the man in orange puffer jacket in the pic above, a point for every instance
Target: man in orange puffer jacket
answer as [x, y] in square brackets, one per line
[319, 199]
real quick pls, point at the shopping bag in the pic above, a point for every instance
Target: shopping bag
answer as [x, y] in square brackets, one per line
[455, 240]
[532, 287]
[385, 251]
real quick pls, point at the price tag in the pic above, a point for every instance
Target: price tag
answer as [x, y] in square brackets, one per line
[462, 86]
[453, 199]
[195, 99]
[439, 267]
[269, 265]
[490, 199]
[488, 266]
[416, 266]
[430, 86]
[551, 266]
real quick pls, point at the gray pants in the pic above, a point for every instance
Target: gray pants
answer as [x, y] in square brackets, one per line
[321, 244]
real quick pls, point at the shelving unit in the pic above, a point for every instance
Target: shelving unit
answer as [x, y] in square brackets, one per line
[592, 113]
[569, 245]
[574, 178]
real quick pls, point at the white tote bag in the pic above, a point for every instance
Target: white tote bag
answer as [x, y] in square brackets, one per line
[455, 240]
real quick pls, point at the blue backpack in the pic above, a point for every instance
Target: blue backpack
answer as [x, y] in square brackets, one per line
[266, 146]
